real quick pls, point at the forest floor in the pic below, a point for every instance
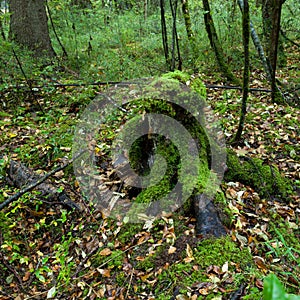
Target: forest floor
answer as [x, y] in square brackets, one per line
[48, 251]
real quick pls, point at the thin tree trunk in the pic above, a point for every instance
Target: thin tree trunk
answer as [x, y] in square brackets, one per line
[175, 42]
[188, 22]
[276, 15]
[145, 9]
[188, 28]
[256, 41]
[258, 45]
[246, 39]
[164, 31]
[1, 26]
[215, 44]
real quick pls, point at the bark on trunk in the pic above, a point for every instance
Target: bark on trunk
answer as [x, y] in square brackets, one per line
[216, 45]
[188, 23]
[164, 31]
[276, 16]
[266, 65]
[208, 221]
[270, 9]
[29, 27]
[246, 38]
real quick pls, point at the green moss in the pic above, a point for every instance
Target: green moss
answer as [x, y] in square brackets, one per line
[127, 232]
[120, 278]
[161, 183]
[218, 251]
[211, 252]
[149, 261]
[221, 203]
[199, 87]
[178, 75]
[196, 84]
[115, 260]
[265, 179]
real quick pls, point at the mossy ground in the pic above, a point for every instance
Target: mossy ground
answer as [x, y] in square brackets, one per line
[141, 260]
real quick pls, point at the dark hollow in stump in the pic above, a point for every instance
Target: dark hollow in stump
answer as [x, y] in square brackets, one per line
[208, 221]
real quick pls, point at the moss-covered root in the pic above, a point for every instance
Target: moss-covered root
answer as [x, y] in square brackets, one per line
[265, 179]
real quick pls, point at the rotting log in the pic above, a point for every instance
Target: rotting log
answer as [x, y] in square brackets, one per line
[26, 179]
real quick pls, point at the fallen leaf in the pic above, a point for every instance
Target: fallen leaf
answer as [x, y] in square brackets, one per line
[51, 293]
[172, 250]
[105, 252]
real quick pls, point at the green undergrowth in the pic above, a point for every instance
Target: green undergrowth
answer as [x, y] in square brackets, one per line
[210, 252]
[192, 265]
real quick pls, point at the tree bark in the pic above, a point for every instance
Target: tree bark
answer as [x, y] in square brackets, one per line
[276, 16]
[215, 43]
[246, 38]
[269, 15]
[1, 27]
[164, 31]
[22, 177]
[188, 22]
[266, 65]
[29, 27]
[258, 45]
[208, 220]
[175, 40]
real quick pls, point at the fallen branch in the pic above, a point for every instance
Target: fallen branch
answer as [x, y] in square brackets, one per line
[288, 39]
[64, 199]
[63, 85]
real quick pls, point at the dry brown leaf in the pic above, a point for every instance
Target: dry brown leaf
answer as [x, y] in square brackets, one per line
[172, 250]
[189, 251]
[105, 252]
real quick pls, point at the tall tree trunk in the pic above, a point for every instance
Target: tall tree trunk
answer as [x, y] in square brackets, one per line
[215, 44]
[145, 9]
[175, 40]
[1, 27]
[29, 27]
[266, 65]
[269, 12]
[164, 31]
[276, 16]
[188, 27]
[188, 22]
[246, 39]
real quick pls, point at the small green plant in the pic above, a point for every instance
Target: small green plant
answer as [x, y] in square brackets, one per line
[273, 290]
[63, 257]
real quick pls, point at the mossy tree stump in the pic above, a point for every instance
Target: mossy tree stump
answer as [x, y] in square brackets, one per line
[145, 150]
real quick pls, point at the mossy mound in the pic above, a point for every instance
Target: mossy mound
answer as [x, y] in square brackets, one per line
[265, 179]
[196, 84]
[159, 146]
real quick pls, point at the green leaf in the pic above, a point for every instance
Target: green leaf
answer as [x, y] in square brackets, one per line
[273, 290]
